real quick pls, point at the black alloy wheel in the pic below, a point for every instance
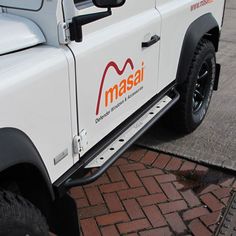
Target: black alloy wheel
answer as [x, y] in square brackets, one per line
[196, 91]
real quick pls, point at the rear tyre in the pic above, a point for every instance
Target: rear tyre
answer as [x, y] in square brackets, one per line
[196, 92]
[18, 217]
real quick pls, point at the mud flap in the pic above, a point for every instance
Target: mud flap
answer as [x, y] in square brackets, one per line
[216, 83]
[66, 219]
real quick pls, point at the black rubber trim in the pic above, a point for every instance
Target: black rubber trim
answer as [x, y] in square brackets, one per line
[25, 9]
[195, 32]
[217, 77]
[17, 148]
[78, 171]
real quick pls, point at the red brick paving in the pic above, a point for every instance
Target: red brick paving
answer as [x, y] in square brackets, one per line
[154, 216]
[113, 202]
[211, 219]
[212, 202]
[195, 213]
[150, 194]
[191, 199]
[133, 208]
[176, 223]
[197, 228]
[152, 199]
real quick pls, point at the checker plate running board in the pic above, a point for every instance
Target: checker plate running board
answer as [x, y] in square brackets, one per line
[104, 156]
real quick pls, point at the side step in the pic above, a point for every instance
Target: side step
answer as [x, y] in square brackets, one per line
[133, 131]
[106, 157]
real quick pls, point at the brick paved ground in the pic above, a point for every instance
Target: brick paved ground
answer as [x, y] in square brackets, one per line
[145, 193]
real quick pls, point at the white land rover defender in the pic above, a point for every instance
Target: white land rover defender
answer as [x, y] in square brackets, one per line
[79, 84]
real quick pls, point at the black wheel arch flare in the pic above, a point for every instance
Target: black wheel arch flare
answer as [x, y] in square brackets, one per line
[17, 149]
[205, 26]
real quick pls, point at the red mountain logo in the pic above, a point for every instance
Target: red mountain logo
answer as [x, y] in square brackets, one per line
[121, 88]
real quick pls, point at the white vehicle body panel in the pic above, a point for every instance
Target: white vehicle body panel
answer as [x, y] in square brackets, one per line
[35, 98]
[47, 19]
[118, 39]
[50, 92]
[18, 33]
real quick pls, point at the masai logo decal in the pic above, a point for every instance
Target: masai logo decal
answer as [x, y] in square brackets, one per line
[119, 88]
[200, 4]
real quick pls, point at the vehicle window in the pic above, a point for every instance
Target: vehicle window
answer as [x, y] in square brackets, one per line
[80, 4]
[30, 5]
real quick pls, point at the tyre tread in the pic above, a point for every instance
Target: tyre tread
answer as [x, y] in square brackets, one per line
[15, 207]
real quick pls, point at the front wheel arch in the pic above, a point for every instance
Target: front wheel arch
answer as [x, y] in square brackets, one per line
[23, 172]
[27, 181]
[16, 148]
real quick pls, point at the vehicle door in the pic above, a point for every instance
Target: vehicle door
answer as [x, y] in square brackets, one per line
[116, 65]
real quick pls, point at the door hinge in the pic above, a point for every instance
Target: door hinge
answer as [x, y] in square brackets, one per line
[64, 32]
[80, 142]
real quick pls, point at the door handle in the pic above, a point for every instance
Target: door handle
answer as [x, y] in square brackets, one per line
[154, 39]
